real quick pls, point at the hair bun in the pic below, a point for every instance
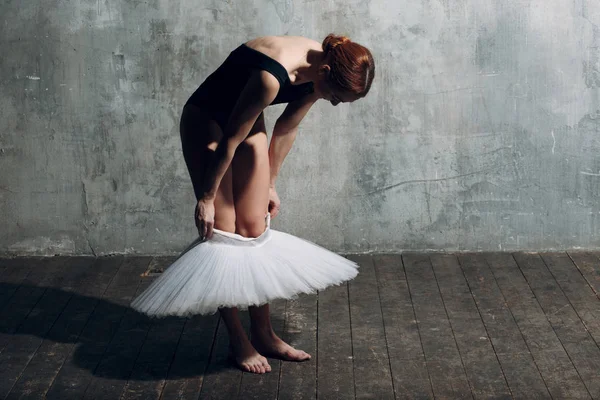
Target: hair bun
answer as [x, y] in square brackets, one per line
[332, 41]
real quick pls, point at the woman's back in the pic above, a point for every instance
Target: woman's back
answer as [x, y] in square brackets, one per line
[219, 92]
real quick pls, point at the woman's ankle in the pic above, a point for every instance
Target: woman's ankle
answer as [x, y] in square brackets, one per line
[262, 333]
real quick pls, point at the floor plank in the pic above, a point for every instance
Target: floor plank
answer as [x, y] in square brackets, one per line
[576, 289]
[570, 330]
[410, 326]
[482, 366]
[78, 369]
[552, 361]
[335, 376]
[372, 375]
[588, 264]
[223, 378]
[4, 262]
[14, 271]
[55, 348]
[117, 363]
[27, 339]
[520, 370]
[44, 271]
[187, 372]
[407, 360]
[445, 366]
[150, 370]
[298, 381]
[154, 359]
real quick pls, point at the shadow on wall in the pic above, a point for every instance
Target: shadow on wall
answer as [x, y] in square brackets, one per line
[111, 340]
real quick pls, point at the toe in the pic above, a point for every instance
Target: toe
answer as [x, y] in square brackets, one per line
[267, 366]
[297, 355]
[302, 355]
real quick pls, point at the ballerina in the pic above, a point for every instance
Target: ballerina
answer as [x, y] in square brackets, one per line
[238, 260]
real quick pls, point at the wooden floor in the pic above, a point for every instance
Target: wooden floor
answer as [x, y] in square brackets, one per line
[410, 326]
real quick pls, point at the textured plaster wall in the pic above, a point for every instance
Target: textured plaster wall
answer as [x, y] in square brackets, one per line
[480, 133]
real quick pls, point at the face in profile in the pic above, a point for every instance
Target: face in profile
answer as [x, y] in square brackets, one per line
[346, 72]
[330, 91]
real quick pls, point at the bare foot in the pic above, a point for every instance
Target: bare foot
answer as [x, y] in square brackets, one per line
[271, 345]
[247, 358]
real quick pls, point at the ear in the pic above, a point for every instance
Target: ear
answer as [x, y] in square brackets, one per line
[324, 70]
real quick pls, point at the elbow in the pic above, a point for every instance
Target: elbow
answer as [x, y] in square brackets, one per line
[230, 146]
[226, 149]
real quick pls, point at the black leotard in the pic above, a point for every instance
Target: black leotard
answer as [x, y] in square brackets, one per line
[218, 94]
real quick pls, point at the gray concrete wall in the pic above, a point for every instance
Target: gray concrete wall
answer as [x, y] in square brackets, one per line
[481, 131]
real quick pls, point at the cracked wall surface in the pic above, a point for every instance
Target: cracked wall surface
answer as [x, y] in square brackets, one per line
[480, 133]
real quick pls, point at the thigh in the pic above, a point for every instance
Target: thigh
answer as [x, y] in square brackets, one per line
[199, 138]
[250, 180]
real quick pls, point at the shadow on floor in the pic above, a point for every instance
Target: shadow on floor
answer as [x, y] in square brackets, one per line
[112, 340]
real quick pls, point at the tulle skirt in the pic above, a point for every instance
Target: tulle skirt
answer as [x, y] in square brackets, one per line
[230, 270]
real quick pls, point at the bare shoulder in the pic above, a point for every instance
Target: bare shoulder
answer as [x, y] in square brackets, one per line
[280, 42]
[287, 50]
[268, 81]
[264, 87]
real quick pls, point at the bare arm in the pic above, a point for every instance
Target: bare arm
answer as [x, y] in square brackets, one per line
[259, 92]
[284, 133]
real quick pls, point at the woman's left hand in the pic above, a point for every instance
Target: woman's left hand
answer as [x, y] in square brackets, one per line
[274, 202]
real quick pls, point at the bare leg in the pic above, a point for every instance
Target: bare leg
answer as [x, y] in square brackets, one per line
[251, 196]
[199, 136]
[242, 351]
[266, 342]
[246, 357]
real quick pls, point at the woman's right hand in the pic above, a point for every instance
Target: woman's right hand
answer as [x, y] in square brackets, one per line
[205, 218]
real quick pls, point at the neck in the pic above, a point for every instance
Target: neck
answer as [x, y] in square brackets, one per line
[309, 70]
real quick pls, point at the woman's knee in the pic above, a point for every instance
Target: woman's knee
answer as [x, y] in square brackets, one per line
[224, 224]
[250, 227]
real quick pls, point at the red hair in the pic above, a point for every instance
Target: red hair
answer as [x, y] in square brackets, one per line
[352, 65]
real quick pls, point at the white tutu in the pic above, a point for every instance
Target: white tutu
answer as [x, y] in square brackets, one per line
[230, 270]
